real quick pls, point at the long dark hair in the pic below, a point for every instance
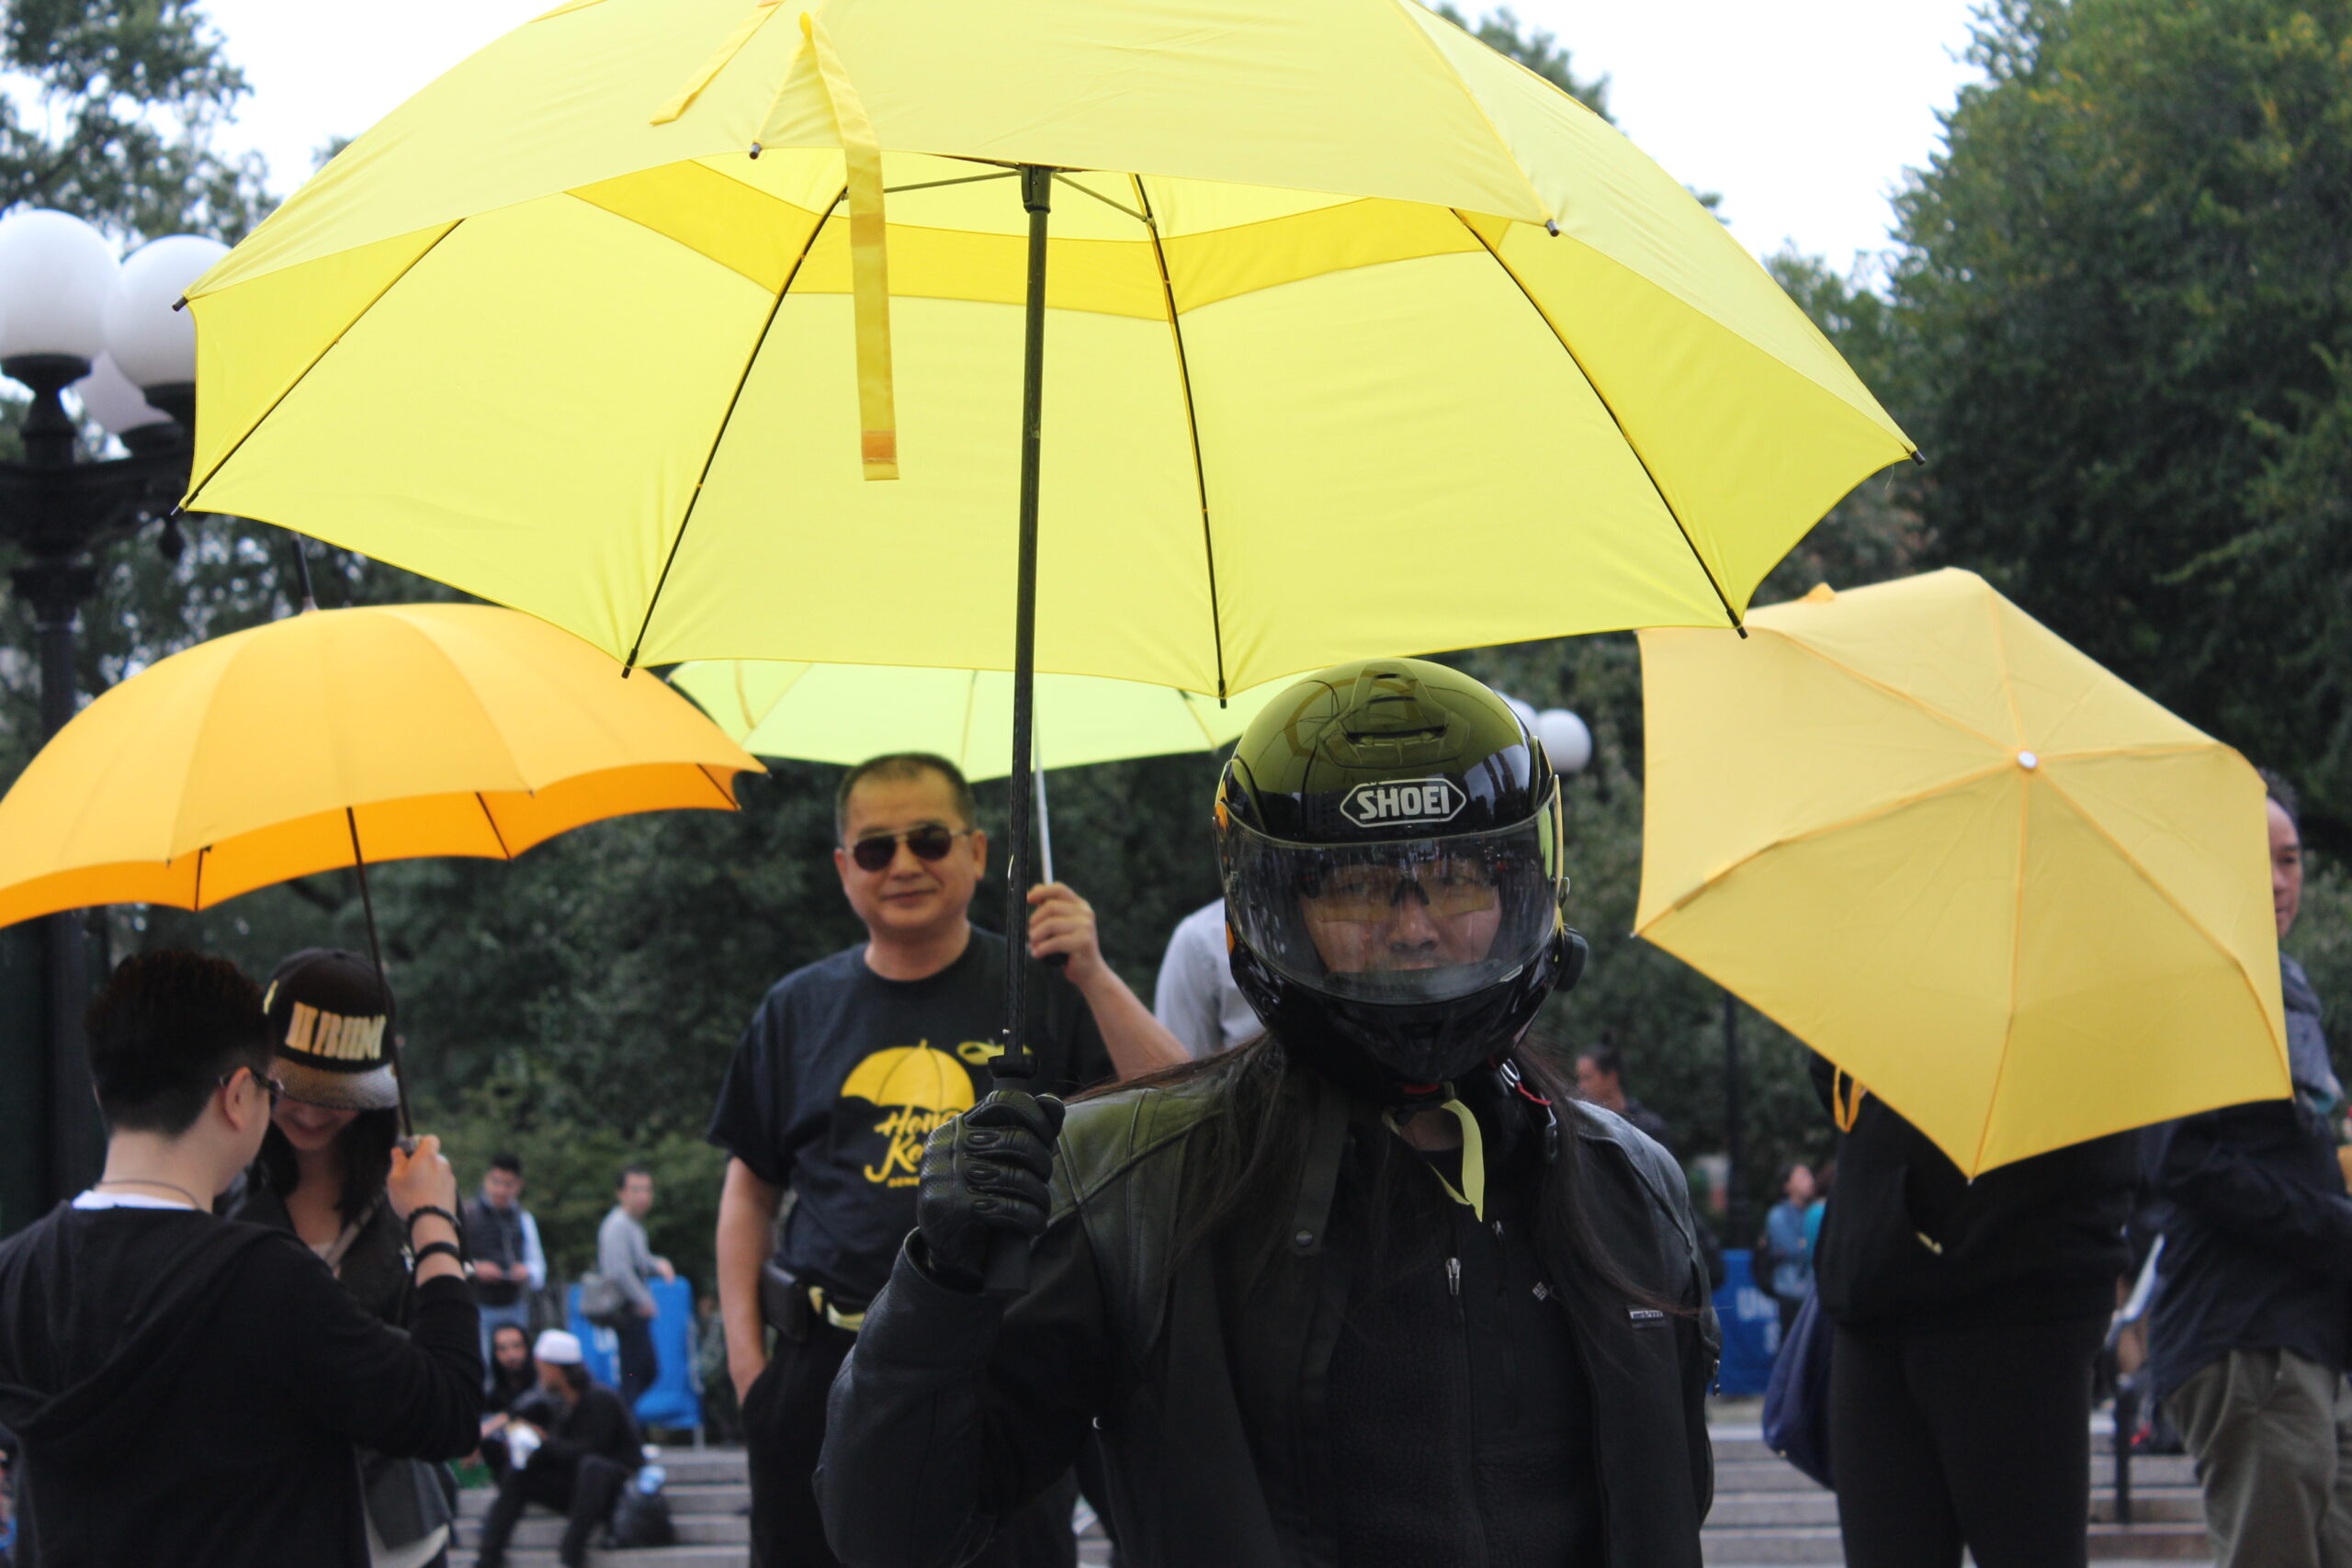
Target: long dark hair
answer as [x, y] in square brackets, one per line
[1243, 1165]
[365, 1146]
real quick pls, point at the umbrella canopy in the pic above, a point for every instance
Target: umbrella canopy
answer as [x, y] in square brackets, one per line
[846, 713]
[301, 746]
[2011, 895]
[1358, 337]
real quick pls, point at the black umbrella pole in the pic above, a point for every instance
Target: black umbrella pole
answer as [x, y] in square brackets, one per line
[1017, 1064]
[375, 956]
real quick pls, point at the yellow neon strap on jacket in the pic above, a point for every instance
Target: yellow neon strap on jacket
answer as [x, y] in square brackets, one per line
[711, 68]
[1472, 1193]
[869, 262]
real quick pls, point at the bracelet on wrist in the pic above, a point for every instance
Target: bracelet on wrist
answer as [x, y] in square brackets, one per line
[424, 1209]
[432, 1249]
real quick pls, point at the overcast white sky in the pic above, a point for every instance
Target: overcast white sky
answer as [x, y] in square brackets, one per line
[1803, 114]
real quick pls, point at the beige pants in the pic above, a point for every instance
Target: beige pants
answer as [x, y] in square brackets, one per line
[2272, 1433]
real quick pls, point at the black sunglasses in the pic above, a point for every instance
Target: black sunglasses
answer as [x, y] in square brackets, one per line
[929, 841]
[276, 1088]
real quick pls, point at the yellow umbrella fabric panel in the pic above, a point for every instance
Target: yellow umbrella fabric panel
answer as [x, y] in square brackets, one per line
[2013, 897]
[847, 713]
[1308, 323]
[444, 729]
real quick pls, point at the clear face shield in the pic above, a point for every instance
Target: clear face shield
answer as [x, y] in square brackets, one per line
[1412, 921]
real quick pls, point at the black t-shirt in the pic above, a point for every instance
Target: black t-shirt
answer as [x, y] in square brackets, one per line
[842, 1075]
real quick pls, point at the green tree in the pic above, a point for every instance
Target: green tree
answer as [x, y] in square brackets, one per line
[2126, 288]
[1501, 30]
[116, 118]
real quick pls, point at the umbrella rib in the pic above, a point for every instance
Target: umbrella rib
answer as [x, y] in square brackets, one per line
[1610, 409]
[2161, 890]
[1192, 429]
[1886, 808]
[1061, 177]
[971, 702]
[212, 473]
[719, 438]
[732, 803]
[484, 804]
[196, 897]
[2016, 962]
[1897, 692]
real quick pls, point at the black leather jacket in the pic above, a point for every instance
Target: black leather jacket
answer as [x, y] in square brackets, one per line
[952, 1409]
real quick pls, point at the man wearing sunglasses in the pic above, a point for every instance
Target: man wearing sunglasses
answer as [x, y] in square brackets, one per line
[845, 1070]
[190, 1389]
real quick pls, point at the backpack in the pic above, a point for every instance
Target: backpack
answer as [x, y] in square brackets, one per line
[641, 1518]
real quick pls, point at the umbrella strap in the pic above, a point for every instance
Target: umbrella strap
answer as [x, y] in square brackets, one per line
[1846, 1093]
[711, 68]
[869, 262]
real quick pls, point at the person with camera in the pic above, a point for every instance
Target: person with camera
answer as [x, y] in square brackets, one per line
[193, 1389]
[1373, 1289]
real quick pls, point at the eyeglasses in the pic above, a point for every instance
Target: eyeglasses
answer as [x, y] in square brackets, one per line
[273, 1087]
[1450, 887]
[930, 843]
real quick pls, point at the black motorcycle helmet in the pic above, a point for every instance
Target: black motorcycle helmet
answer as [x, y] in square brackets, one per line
[1390, 837]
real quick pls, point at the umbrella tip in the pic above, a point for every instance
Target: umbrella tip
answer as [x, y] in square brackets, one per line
[1552, 227]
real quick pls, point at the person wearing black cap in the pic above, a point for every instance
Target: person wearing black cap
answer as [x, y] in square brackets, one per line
[321, 1175]
[188, 1389]
[1373, 1289]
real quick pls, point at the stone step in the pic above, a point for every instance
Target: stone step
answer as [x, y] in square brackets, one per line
[541, 1528]
[683, 1500]
[1820, 1545]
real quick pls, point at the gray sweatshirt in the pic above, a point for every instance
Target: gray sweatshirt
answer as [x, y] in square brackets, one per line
[623, 1254]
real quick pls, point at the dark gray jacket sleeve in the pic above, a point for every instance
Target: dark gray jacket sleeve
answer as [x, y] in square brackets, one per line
[2244, 1169]
[954, 1410]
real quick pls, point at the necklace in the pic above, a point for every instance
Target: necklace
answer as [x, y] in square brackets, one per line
[143, 1181]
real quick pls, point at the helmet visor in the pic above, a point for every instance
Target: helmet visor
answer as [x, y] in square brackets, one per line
[1413, 920]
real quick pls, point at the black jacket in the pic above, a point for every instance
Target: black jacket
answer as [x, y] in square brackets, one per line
[1214, 1412]
[1907, 1241]
[2258, 1238]
[596, 1423]
[189, 1390]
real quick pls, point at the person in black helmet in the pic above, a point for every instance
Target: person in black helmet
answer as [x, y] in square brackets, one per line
[1375, 1289]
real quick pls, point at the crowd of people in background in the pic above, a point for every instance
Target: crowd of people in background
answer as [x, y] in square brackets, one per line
[870, 1175]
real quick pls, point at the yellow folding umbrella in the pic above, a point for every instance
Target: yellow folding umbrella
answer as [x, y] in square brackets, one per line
[338, 738]
[2010, 894]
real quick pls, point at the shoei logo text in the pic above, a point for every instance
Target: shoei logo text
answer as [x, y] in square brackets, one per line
[1421, 800]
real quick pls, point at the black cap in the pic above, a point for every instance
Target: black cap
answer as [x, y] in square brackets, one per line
[328, 1012]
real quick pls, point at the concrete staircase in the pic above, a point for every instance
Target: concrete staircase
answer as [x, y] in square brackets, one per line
[709, 1494]
[1766, 1515]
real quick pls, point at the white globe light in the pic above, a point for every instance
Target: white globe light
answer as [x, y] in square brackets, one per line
[155, 345]
[55, 274]
[109, 398]
[1566, 739]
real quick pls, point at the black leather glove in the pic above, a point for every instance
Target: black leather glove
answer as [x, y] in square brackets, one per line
[984, 1176]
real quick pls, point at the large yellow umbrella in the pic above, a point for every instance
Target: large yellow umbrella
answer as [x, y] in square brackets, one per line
[612, 320]
[2010, 894]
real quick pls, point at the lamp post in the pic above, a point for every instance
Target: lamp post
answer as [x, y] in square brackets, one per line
[74, 318]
